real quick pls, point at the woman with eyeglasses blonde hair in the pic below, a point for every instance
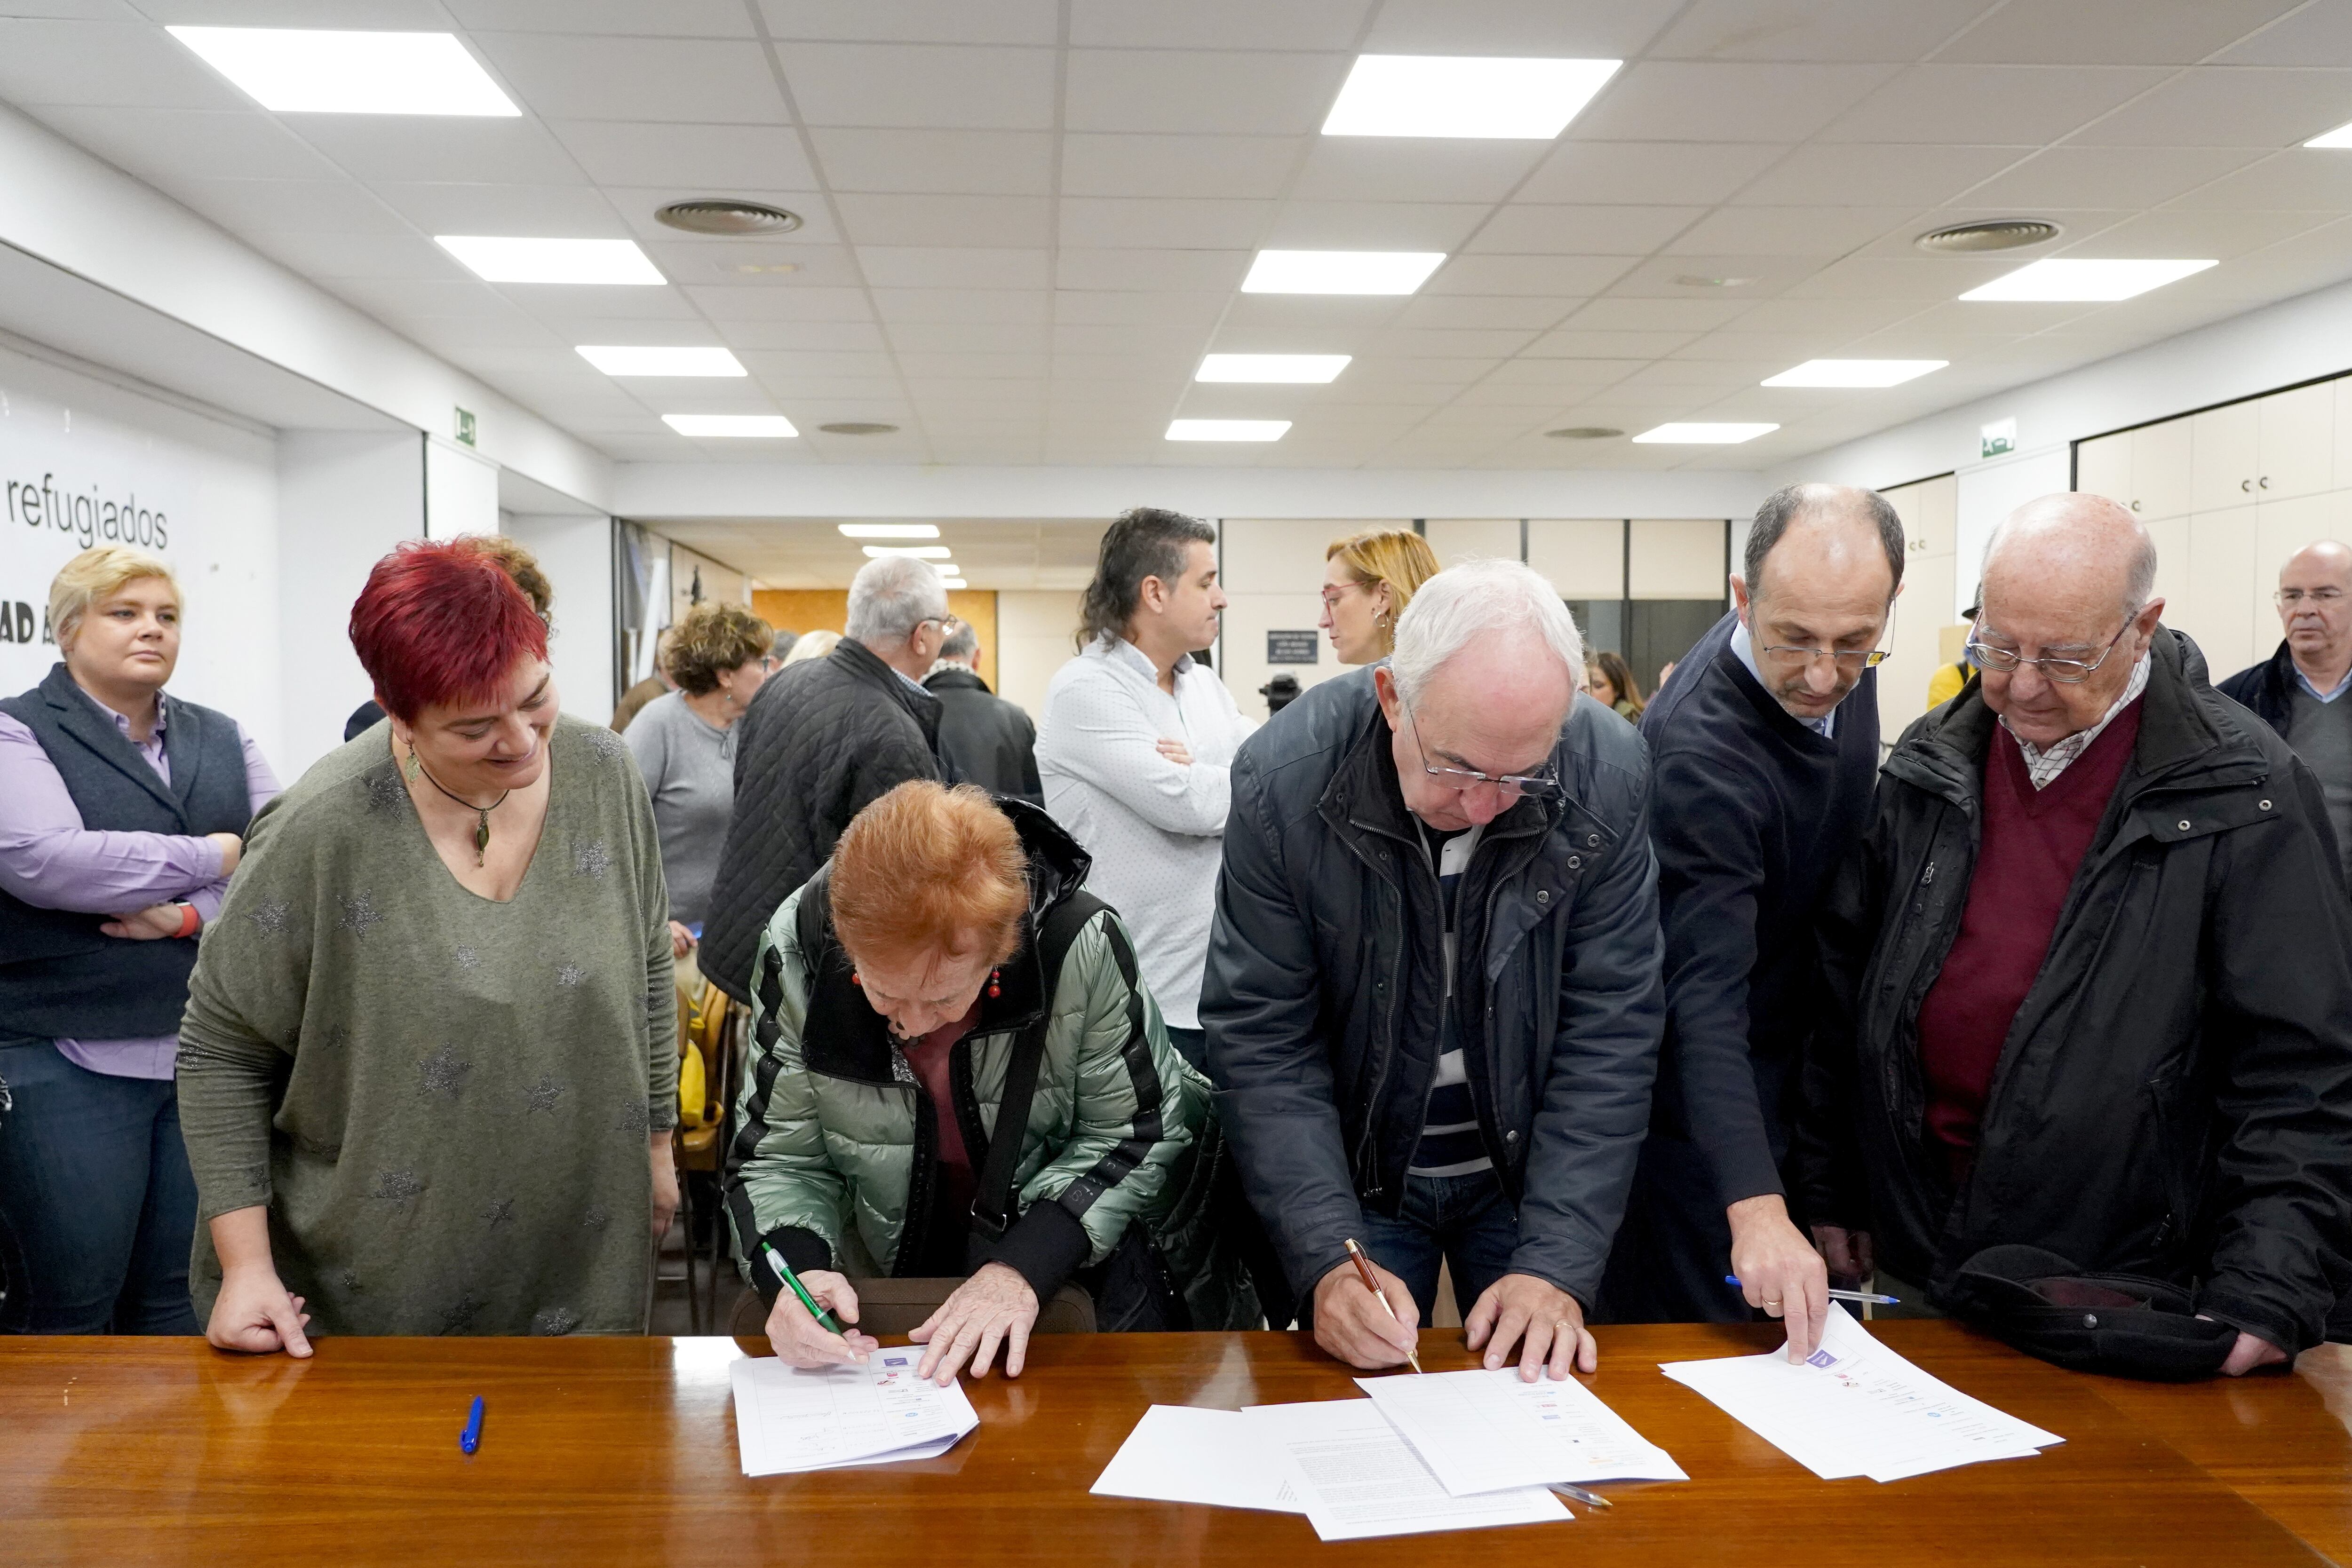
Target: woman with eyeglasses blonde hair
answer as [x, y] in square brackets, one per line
[1368, 580]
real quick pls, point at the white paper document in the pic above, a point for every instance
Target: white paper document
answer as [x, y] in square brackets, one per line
[1178, 1454]
[1856, 1409]
[1484, 1431]
[1355, 1475]
[790, 1418]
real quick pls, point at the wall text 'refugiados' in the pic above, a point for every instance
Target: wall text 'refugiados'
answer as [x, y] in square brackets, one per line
[90, 516]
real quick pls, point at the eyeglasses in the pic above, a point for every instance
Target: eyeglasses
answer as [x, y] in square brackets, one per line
[1853, 659]
[2065, 672]
[2320, 597]
[1510, 786]
[1332, 591]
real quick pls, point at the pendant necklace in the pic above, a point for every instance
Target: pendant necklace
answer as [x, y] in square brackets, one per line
[481, 813]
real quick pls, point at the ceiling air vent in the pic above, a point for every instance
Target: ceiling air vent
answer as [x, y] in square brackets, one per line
[2000, 234]
[859, 427]
[722, 216]
[1584, 432]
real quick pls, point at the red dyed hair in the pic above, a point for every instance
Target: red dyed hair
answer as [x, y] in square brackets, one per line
[440, 623]
[929, 870]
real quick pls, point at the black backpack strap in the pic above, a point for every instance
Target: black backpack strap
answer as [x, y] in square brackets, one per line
[812, 919]
[993, 1196]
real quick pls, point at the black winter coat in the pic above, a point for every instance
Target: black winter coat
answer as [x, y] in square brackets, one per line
[1325, 983]
[984, 739]
[820, 742]
[2175, 1095]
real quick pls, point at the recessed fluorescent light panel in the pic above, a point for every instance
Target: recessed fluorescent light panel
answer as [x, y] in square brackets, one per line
[1227, 429]
[889, 530]
[2068, 278]
[1704, 434]
[292, 71]
[626, 360]
[1855, 372]
[2340, 137]
[953, 582]
[1341, 271]
[498, 259]
[921, 552]
[1455, 95]
[1294, 368]
[730, 426]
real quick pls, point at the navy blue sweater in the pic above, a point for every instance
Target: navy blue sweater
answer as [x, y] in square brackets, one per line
[1751, 813]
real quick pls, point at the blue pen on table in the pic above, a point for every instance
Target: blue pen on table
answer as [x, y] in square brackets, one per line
[1875, 1301]
[471, 1437]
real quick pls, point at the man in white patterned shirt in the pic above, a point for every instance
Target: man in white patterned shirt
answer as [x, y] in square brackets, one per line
[2088, 980]
[1136, 745]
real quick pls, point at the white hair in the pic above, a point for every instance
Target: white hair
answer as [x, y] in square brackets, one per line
[890, 596]
[1480, 599]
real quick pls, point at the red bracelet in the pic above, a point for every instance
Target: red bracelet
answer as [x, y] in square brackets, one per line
[189, 921]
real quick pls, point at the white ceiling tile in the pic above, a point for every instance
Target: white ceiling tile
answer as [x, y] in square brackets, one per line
[1673, 172]
[2223, 235]
[1197, 223]
[432, 146]
[1524, 228]
[571, 308]
[1008, 305]
[1129, 270]
[134, 65]
[1194, 308]
[1854, 174]
[685, 157]
[1673, 100]
[1146, 91]
[1181, 343]
[2230, 106]
[1438, 343]
[1485, 311]
[317, 206]
[2313, 35]
[785, 383]
[642, 18]
[970, 336]
[1924, 280]
[1820, 317]
[915, 21]
[1579, 343]
[836, 337]
[1989, 105]
[933, 85]
[1217, 23]
[576, 211]
[468, 334]
[385, 13]
[1375, 225]
[975, 162]
[797, 362]
[1787, 231]
[716, 261]
[707, 81]
[318, 255]
[954, 267]
[920, 368]
[2114, 32]
[1530, 277]
[1414, 169]
[1616, 31]
[1745, 277]
[2303, 179]
[1656, 315]
[724, 303]
[163, 146]
[2081, 176]
[1813, 30]
[1174, 166]
[1007, 222]
[1286, 313]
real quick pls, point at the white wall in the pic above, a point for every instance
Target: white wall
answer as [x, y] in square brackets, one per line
[576, 554]
[211, 477]
[461, 491]
[343, 502]
[1034, 628]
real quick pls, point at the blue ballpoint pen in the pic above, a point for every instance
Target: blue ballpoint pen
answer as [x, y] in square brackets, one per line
[471, 1437]
[1875, 1301]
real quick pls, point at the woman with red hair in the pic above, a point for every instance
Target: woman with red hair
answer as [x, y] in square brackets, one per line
[944, 968]
[429, 1068]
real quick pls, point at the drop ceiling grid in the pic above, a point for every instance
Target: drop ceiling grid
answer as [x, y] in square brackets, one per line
[1028, 218]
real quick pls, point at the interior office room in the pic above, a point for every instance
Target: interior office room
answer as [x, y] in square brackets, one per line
[708, 306]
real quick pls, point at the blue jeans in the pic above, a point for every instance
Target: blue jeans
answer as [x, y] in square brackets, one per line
[1464, 1222]
[97, 1205]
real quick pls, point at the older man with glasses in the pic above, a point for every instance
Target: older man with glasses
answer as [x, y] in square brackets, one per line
[1766, 755]
[2296, 690]
[2090, 976]
[1432, 1002]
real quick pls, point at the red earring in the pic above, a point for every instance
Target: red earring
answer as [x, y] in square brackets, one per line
[854, 980]
[995, 982]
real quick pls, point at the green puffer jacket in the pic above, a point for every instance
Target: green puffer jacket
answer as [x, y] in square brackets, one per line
[835, 1163]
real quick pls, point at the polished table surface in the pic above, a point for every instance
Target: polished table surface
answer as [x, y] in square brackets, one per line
[622, 1451]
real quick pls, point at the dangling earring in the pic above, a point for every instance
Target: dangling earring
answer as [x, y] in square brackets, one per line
[995, 982]
[413, 767]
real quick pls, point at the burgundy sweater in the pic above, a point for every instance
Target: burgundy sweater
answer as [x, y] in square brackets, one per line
[2033, 841]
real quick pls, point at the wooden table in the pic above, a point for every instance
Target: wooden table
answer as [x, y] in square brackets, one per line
[614, 1450]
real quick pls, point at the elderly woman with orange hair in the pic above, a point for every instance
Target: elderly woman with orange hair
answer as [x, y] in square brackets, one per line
[942, 978]
[429, 1065]
[1368, 580]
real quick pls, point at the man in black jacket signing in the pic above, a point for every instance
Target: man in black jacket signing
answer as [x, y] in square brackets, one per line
[1431, 1002]
[821, 741]
[1765, 755]
[2090, 975]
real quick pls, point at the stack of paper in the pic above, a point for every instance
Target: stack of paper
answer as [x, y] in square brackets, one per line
[790, 1418]
[1856, 1409]
[1458, 1450]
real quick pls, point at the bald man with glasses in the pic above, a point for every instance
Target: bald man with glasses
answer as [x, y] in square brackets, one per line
[2089, 979]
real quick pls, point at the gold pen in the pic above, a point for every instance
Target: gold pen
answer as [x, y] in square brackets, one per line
[1372, 1284]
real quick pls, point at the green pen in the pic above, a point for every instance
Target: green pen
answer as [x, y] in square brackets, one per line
[823, 1316]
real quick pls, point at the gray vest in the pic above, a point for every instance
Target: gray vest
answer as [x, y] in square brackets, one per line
[60, 975]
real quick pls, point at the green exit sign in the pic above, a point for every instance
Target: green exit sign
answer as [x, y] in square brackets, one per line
[466, 425]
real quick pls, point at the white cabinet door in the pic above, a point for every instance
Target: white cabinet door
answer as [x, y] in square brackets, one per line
[2224, 462]
[1456, 539]
[1583, 556]
[2217, 601]
[1677, 558]
[2103, 467]
[2162, 458]
[2296, 442]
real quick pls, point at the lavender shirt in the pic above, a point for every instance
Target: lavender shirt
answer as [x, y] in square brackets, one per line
[49, 860]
